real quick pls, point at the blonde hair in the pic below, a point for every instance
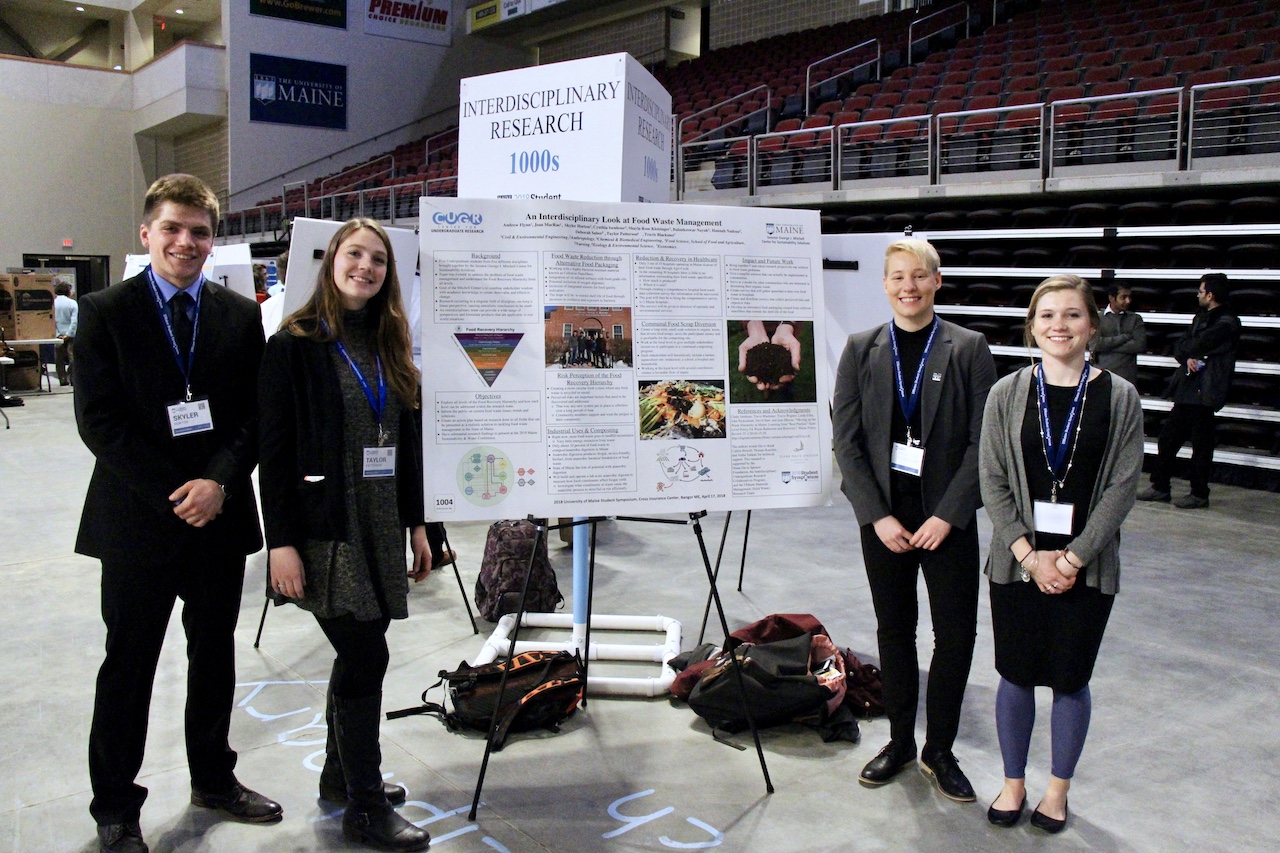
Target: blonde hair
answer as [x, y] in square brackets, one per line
[320, 319]
[918, 249]
[1053, 284]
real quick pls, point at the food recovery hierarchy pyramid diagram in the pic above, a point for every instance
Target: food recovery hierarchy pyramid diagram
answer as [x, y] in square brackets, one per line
[488, 352]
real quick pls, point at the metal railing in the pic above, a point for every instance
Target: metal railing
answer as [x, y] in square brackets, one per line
[347, 174]
[1134, 128]
[997, 139]
[912, 38]
[1233, 119]
[809, 85]
[681, 166]
[863, 150]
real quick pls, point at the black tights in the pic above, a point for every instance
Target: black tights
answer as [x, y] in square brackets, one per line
[362, 658]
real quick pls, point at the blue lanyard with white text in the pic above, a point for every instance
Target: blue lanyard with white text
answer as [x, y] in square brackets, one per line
[1055, 449]
[185, 370]
[376, 404]
[908, 403]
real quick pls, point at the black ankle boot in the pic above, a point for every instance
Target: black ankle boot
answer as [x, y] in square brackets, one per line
[333, 782]
[369, 818]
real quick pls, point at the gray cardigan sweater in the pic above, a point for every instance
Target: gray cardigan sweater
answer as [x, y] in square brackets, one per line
[1003, 478]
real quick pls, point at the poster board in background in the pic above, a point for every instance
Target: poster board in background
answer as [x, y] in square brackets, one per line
[306, 252]
[230, 266]
[855, 299]
[527, 416]
[595, 129]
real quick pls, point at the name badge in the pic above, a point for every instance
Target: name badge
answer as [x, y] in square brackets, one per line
[1053, 518]
[379, 462]
[186, 418]
[907, 458]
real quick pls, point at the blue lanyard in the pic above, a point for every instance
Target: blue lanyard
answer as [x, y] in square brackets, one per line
[1055, 448]
[184, 369]
[907, 402]
[378, 404]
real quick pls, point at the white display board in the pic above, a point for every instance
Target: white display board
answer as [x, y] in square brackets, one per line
[595, 129]
[855, 299]
[306, 253]
[527, 415]
[230, 265]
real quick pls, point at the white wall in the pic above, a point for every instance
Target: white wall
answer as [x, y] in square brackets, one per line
[71, 166]
[390, 82]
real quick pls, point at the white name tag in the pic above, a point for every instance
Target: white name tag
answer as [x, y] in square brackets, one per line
[907, 458]
[379, 462]
[1054, 518]
[189, 418]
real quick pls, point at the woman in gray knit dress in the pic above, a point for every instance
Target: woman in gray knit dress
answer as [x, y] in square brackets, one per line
[341, 482]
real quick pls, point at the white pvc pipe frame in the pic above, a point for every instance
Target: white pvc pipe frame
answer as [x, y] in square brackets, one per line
[500, 641]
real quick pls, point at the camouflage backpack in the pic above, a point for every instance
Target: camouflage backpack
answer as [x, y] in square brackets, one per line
[502, 571]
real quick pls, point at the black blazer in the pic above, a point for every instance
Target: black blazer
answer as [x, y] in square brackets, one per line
[301, 435]
[951, 408]
[126, 377]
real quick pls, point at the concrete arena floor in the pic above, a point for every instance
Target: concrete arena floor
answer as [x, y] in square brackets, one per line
[1181, 754]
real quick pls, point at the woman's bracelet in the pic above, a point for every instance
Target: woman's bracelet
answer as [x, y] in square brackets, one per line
[1026, 564]
[1066, 556]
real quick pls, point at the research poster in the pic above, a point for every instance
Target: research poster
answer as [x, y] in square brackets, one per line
[587, 358]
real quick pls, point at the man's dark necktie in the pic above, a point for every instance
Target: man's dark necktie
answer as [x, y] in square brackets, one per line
[179, 305]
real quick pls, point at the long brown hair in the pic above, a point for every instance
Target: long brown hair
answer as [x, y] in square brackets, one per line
[391, 337]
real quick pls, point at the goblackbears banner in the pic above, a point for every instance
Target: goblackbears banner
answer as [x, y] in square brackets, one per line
[297, 91]
[328, 13]
[428, 21]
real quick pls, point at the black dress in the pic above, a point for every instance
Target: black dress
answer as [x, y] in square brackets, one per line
[1053, 640]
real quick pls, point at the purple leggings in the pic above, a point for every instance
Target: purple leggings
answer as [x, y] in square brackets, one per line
[1068, 726]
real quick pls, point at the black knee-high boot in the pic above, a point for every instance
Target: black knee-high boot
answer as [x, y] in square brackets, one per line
[333, 782]
[369, 818]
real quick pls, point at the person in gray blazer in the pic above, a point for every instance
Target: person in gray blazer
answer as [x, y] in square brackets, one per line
[1122, 336]
[907, 418]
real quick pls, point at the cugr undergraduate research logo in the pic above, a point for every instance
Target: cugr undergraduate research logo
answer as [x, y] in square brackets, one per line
[456, 218]
[264, 88]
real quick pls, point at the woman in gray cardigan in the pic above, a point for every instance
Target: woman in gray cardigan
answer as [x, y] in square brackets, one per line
[1059, 463]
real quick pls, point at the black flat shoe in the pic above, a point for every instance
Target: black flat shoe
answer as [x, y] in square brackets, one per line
[888, 763]
[1051, 825]
[999, 817]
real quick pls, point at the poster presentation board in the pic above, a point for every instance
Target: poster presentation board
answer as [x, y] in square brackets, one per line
[595, 129]
[582, 358]
[855, 299]
[230, 265]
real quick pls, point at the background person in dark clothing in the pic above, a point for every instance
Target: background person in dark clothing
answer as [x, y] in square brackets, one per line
[1206, 362]
[1122, 337]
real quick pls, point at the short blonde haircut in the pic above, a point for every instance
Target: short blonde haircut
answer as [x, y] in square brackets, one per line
[1053, 284]
[918, 249]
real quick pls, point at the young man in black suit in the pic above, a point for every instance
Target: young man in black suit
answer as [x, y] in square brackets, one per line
[165, 397]
[907, 419]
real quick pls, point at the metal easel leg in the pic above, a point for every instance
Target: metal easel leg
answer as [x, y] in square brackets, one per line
[506, 671]
[461, 588]
[735, 663]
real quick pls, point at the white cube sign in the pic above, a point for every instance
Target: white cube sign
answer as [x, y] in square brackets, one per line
[596, 129]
